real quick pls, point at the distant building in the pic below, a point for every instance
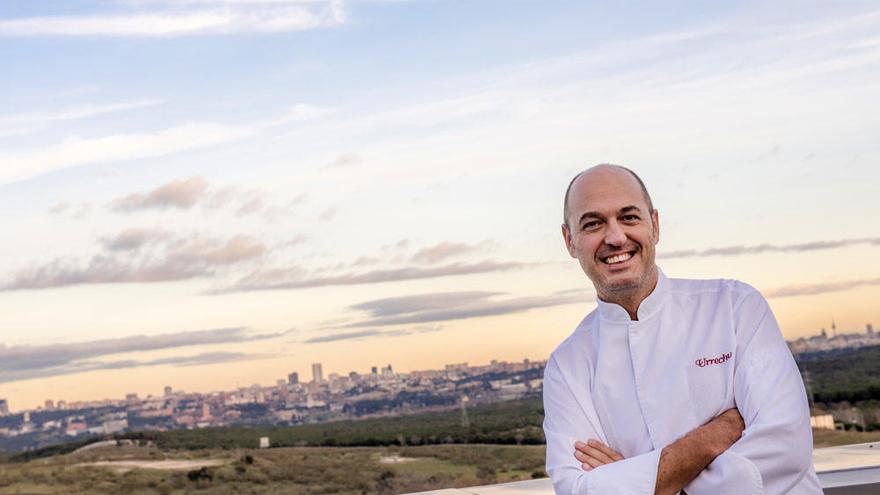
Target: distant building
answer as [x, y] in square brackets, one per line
[49, 405]
[264, 442]
[869, 329]
[317, 373]
[387, 372]
[168, 391]
[4, 407]
[374, 371]
[293, 378]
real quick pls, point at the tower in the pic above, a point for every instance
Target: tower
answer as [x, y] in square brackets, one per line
[317, 373]
[465, 422]
[833, 329]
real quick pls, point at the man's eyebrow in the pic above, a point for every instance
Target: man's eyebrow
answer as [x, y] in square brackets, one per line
[596, 214]
[591, 214]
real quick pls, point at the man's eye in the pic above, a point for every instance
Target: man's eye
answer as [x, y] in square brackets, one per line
[589, 225]
[630, 218]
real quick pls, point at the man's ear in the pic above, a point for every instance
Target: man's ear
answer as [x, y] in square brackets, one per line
[655, 219]
[566, 235]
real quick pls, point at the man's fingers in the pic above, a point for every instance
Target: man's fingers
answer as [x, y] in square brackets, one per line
[588, 462]
[594, 454]
[608, 451]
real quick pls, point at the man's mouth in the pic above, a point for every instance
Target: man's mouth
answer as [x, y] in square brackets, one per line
[618, 258]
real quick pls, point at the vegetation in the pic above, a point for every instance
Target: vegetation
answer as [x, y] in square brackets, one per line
[513, 422]
[851, 375]
[297, 470]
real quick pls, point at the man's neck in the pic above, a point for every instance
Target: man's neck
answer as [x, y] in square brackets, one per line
[631, 300]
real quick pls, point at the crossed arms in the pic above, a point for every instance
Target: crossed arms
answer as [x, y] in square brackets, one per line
[772, 455]
[681, 461]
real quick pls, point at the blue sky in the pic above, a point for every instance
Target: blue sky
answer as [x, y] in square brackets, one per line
[368, 182]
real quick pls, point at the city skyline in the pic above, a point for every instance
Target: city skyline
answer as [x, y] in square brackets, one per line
[207, 192]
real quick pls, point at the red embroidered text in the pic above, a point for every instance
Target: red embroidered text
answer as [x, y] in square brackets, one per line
[716, 360]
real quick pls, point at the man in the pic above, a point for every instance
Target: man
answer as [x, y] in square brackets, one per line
[669, 384]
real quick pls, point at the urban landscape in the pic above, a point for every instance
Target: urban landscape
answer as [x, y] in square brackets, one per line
[381, 392]
[293, 401]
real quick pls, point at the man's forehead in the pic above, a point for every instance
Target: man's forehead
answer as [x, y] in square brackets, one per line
[606, 186]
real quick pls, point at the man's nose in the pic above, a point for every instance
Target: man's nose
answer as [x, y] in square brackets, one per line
[614, 235]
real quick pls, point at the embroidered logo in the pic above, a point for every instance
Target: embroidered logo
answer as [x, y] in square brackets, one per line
[716, 360]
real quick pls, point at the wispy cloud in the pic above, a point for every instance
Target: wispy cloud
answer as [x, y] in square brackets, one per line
[372, 333]
[447, 306]
[22, 164]
[299, 278]
[769, 248]
[161, 19]
[134, 239]
[25, 122]
[818, 288]
[182, 194]
[444, 250]
[141, 256]
[26, 362]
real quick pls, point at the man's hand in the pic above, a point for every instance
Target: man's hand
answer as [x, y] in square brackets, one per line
[594, 454]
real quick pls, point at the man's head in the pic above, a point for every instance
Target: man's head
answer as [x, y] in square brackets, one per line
[611, 227]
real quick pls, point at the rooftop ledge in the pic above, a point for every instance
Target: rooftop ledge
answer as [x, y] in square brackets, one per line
[844, 470]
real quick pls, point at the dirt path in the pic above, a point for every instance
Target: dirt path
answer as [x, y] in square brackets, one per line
[123, 466]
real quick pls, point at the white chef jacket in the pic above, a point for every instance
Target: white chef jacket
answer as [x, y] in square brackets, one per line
[699, 347]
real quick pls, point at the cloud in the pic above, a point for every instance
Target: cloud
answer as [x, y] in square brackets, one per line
[184, 194]
[328, 214]
[23, 164]
[141, 256]
[362, 334]
[769, 248]
[27, 362]
[181, 19]
[344, 160]
[819, 288]
[181, 194]
[298, 278]
[73, 113]
[440, 252]
[393, 306]
[436, 307]
[59, 208]
[134, 239]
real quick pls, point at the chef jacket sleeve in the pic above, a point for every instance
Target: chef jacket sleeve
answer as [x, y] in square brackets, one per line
[565, 422]
[776, 448]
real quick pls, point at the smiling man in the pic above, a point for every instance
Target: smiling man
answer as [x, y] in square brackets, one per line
[668, 385]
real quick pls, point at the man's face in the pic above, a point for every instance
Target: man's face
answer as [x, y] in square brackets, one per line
[612, 234]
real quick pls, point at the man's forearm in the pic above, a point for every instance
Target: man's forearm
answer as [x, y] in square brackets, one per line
[684, 459]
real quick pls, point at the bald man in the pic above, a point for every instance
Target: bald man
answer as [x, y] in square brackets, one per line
[668, 385]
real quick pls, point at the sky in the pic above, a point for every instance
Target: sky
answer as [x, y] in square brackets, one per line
[210, 194]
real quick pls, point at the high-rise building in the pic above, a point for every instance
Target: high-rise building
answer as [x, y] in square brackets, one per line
[293, 378]
[4, 407]
[374, 370]
[49, 405]
[317, 373]
[870, 329]
[168, 391]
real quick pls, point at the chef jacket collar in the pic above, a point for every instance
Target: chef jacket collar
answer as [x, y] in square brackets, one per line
[649, 306]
